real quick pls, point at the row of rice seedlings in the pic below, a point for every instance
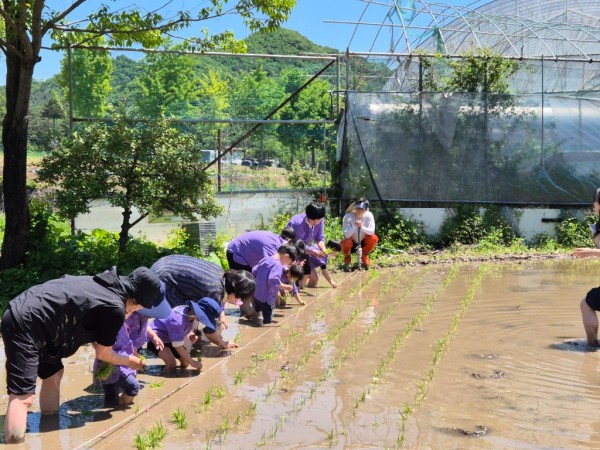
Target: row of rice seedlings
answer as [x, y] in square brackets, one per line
[386, 361]
[281, 344]
[315, 349]
[336, 331]
[270, 353]
[356, 343]
[438, 353]
[354, 348]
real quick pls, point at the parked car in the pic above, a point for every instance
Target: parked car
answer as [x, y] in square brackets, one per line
[250, 162]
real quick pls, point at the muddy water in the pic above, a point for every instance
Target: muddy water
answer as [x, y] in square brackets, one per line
[455, 356]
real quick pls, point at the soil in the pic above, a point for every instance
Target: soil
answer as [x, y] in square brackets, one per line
[457, 355]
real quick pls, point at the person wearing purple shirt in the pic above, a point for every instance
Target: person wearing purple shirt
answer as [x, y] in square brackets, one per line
[121, 386]
[309, 227]
[268, 275]
[320, 262]
[248, 249]
[173, 331]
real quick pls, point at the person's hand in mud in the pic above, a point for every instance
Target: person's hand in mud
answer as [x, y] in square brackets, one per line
[586, 252]
[229, 345]
[196, 364]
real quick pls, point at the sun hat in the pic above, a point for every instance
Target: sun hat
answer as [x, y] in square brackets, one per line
[143, 286]
[207, 311]
[362, 205]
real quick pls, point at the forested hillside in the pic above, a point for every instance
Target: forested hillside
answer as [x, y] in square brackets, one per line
[204, 92]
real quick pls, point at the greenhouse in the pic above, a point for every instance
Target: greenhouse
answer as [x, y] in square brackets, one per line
[494, 102]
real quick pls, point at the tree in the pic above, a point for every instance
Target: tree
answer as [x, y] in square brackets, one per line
[254, 95]
[149, 166]
[313, 103]
[89, 77]
[53, 109]
[169, 83]
[27, 23]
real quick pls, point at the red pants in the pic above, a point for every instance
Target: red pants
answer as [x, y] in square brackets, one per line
[368, 244]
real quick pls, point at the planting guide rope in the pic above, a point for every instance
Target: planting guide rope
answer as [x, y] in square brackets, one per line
[122, 423]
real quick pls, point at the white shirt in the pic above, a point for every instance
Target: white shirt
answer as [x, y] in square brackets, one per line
[351, 230]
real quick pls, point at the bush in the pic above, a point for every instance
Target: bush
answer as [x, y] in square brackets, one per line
[573, 232]
[465, 225]
[398, 232]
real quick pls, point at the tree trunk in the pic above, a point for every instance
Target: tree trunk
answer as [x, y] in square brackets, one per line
[124, 234]
[19, 76]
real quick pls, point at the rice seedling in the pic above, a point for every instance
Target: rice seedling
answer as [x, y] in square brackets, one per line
[156, 434]
[180, 419]
[207, 399]
[330, 437]
[219, 392]
[239, 377]
[103, 371]
[140, 441]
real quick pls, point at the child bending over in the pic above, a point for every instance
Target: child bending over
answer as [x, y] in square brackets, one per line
[332, 249]
[173, 331]
[289, 285]
[268, 273]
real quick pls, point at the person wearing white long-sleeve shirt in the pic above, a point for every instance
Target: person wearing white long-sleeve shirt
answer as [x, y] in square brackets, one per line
[358, 226]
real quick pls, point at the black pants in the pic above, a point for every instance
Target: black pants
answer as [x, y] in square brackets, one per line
[236, 266]
[265, 309]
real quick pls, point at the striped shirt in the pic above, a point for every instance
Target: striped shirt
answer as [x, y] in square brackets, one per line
[188, 278]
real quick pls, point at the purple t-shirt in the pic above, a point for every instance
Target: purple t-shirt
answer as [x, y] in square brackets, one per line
[317, 261]
[174, 328]
[267, 274]
[286, 280]
[137, 325]
[305, 232]
[249, 248]
[123, 346]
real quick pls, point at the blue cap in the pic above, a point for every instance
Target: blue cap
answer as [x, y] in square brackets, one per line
[207, 311]
[160, 308]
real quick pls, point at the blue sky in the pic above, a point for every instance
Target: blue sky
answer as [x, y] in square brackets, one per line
[309, 18]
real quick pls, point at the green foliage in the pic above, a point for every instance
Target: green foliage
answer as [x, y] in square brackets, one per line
[218, 248]
[90, 79]
[480, 70]
[398, 232]
[333, 228]
[498, 226]
[149, 166]
[573, 232]
[277, 224]
[301, 178]
[169, 84]
[463, 225]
